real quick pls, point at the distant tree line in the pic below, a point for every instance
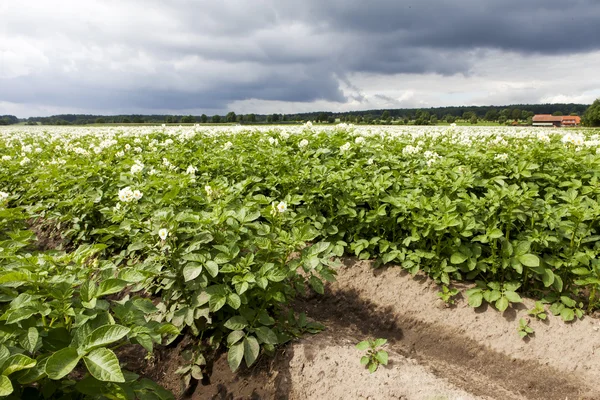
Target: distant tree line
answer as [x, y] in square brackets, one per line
[521, 113]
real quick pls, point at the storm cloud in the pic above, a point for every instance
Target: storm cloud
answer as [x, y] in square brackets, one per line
[119, 56]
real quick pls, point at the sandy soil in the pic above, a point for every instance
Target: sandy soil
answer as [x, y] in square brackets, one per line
[435, 352]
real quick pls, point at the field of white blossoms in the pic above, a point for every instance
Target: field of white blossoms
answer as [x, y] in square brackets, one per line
[134, 236]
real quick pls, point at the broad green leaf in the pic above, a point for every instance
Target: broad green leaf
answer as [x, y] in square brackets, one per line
[234, 301]
[382, 357]
[6, 386]
[364, 345]
[236, 323]
[458, 258]
[104, 336]
[502, 304]
[34, 374]
[212, 268]
[529, 260]
[266, 335]
[316, 284]
[513, 297]
[103, 365]
[30, 340]
[567, 314]
[380, 342]
[569, 302]
[373, 367]
[217, 302]
[475, 299]
[364, 360]
[548, 277]
[235, 356]
[111, 286]
[235, 337]
[251, 350]
[61, 363]
[4, 354]
[17, 362]
[191, 271]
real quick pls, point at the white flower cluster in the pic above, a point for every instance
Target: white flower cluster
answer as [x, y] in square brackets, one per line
[345, 147]
[285, 135]
[127, 195]
[303, 143]
[24, 161]
[273, 141]
[191, 170]
[575, 139]
[500, 141]
[543, 137]
[6, 158]
[227, 146]
[410, 149]
[137, 167]
[359, 140]
[168, 164]
[431, 157]
[501, 157]
[3, 196]
[209, 190]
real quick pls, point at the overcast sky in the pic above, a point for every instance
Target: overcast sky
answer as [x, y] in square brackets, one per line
[287, 56]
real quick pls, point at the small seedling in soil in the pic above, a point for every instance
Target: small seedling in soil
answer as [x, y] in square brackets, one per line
[524, 328]
[538, 311]
[375, 355]
[448, 295]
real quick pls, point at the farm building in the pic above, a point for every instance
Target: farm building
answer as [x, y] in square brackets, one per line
[551, 120]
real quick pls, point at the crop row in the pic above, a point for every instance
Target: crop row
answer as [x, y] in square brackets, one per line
[204, 232]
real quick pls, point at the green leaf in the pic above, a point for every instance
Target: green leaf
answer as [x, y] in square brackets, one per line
[191, 271]
[475, 299]
[382, 357]
[4, 354]
[581, 271]
[17, 362]
[236, 323]
[513, 297]
[364, 345]
[235, 356]
[266, 335]
[61, 363]
[212, 268]
[373, 367]
[380, 342]
[316, 284]
[251, 350]
[364, 360]
[103, 365]
[548, 277]
[6, 387]
[235, 337]
[502, 304]
[105, 335]
[529, 260]
[234, 301]
[30, 340]
[111, 286]
[458, 258]
[567, 314]
[217, 302]
[567, 301]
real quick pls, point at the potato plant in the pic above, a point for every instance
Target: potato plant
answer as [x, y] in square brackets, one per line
[212, 232]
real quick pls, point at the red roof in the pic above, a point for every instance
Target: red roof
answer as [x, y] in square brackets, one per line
[565, 119]
[546, 118]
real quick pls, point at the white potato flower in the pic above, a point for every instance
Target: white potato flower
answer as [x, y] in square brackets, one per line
[6, 158]
[137, 194]
[227, 146]
[137, 167]
[370, 161]
[345, 147]
[303, 143]
[282, 207]
[501, 157]
[209, 190]
[24, 161]
[359, 140]
[126, 194]
[163, 233]
[3, 196]
[191, 170]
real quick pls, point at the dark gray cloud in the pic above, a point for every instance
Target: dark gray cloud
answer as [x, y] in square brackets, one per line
[186, 54]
